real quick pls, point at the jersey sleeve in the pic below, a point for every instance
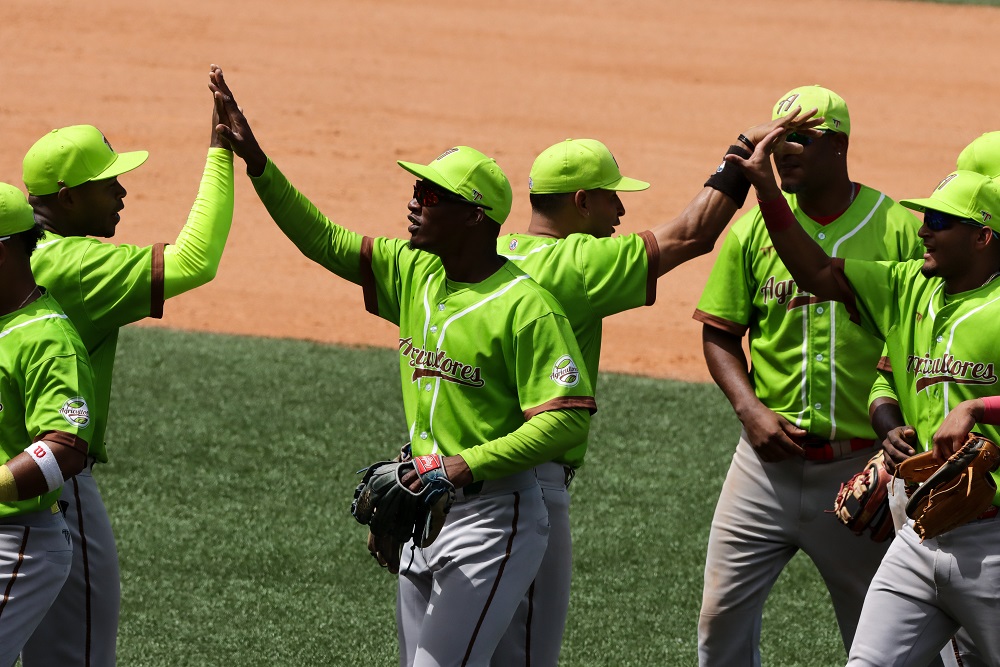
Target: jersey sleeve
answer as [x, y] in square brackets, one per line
[334, 248]
[385, 265]
[60, 391]
[876, 293]
[543, 438]
[549, 372]
[883, 387]
[726, 302]
[194, 258]
[619, 273]
[120, 284]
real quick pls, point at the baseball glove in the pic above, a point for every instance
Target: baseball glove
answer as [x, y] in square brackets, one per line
[394, 514]
[946, 496]
[862, 503]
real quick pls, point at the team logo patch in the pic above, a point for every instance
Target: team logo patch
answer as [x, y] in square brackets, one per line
[565, 372]
[986, 216]
[76, 412]
[513, 244]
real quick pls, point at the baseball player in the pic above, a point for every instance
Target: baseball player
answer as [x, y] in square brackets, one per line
[898, 438]
[935, 317]
[494, 388]
[72, 179]
[803, 402]
[570, 250]
[983, 157]
[46, 390]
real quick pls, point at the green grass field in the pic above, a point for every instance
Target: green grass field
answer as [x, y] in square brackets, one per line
[232, 473]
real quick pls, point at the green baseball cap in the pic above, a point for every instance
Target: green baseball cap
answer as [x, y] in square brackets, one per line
[982, 156]
[965, 194]
[829, 104]
[471, 175]
[579, 164]
[71, 156]
[16, 215]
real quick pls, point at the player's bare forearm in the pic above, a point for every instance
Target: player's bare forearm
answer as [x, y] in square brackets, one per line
[768, 433]
[885, 415]
[808, 263]
[896, 436]
[727, 363]
[23, 476]
[694, 232]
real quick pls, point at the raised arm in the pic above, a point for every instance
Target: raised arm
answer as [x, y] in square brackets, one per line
[335, 248]
[810, 266]
[695, 230]
[194, 257]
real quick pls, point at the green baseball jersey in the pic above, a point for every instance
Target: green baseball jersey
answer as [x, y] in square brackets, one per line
[46, 387]
[591, 278]
[883, 386]
[937, 348]
[102, 287]
[809, 364]
[476, 360]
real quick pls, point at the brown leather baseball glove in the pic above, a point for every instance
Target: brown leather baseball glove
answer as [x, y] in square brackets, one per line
[862, 503]
[946, 496]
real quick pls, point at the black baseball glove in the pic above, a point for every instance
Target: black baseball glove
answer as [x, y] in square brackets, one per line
[395, 514]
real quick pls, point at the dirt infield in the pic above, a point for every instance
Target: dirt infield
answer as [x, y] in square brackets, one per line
[339, 90]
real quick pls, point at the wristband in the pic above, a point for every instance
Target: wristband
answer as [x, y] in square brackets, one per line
[991, 410]
[777, 216]
[46, 460]
[729, 178]
[746, 142]
[8, 487]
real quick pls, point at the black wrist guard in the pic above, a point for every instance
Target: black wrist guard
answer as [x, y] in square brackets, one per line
[729, 178]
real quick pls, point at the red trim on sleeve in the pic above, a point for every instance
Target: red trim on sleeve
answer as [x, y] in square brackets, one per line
[156, 297]
[368, 275]
[653, 259]
[884, 364]
[734, 328]
[563, 403]
[777, 215]
[66, 439]
[991, 410]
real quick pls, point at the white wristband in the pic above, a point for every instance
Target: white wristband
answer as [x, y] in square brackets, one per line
[46, 460]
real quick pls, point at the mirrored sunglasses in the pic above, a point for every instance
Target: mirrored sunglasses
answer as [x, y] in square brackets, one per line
[937, 221]
[428, 195]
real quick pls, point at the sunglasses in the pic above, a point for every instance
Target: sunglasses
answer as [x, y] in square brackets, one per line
[804, 139]
[937, 221]
[428, 195]
[4, 238]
